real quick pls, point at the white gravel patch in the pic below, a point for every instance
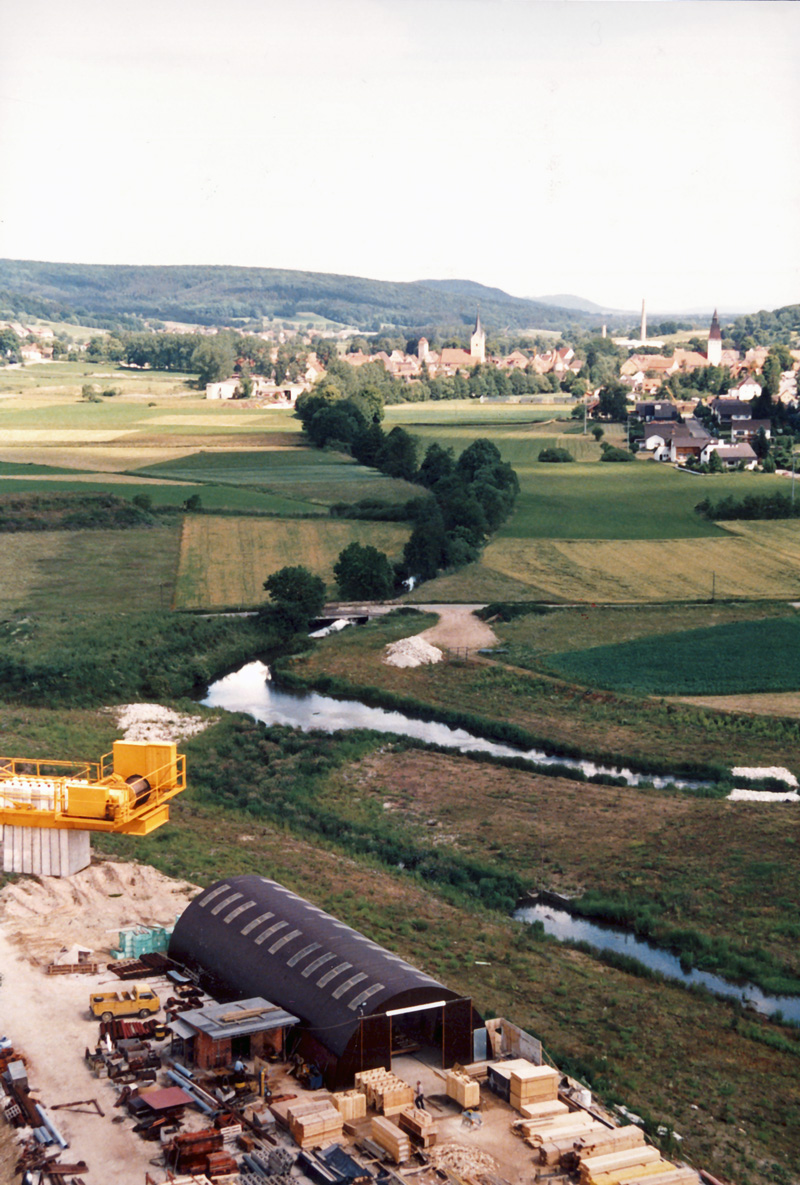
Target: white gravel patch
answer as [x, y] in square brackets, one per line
[152, 722]
[763, 796]
[766, 771]
[411, 652]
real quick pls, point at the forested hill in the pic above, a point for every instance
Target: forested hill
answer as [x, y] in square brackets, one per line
[225, 295]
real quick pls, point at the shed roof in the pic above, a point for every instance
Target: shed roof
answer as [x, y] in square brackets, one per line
[250, 933]
[220, 1021]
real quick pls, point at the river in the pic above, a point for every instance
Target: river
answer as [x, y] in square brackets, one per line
[251, 690]
[568, 927]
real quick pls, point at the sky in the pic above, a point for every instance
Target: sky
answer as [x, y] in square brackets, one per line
[616, 151]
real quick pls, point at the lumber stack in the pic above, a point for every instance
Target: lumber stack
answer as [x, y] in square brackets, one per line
[659, 1172]
[384, 1090]
[314, 1124]
[351, 1104]
[596, 1141]
[420, 1125]
[465, 1090]
[389, 1137]
[532, 1084]
[543, 1110]
[574, 1124]
[591, 1166]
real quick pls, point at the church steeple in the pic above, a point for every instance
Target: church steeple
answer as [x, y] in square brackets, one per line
[714, 350]
[477, 342]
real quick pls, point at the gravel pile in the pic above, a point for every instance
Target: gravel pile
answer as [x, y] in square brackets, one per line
[411, 652]
[152, 722]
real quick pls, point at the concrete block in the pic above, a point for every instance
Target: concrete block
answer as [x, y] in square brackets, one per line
[45, 851]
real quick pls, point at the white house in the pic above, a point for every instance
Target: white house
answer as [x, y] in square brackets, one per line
[748, 388]
[731, 455]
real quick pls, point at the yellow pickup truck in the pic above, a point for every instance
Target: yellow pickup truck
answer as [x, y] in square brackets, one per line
[139, 1001]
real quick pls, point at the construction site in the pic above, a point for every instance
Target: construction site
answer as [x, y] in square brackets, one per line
[153, 1031]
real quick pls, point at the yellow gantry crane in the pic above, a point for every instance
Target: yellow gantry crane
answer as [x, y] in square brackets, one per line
[127, 791]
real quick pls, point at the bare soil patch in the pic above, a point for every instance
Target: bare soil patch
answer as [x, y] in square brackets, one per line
[458, 628]
[783, 703]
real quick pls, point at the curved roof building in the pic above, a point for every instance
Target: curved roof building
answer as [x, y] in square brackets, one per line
[249, 936]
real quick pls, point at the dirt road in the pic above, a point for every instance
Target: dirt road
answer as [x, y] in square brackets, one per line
[458, 628]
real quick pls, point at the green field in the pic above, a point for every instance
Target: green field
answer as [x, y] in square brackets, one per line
[727, 659]
[83, 573]
[312, 474]
[213, 497]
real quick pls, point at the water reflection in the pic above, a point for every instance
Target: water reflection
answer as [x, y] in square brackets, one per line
[251, 690]
[564, 925]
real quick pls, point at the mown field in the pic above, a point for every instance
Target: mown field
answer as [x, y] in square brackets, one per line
[225, 561]
[82, 573]
[304, 473]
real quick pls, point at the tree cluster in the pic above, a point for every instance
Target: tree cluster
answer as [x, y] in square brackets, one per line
[472, 496]
[753, 506]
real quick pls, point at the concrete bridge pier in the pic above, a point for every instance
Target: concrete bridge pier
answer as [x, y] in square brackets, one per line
[45, 851]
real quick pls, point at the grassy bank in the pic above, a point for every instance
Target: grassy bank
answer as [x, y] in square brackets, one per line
[651, 733]
[657, 1048]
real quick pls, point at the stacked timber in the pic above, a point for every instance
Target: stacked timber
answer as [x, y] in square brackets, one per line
[420, 1125]
[384, 1090]
[543, 1110]
[389, 1137]
[596, 1141]
[591, 1166]
[313, 1124]
[465, 1090]
[532, 1084]
[574, 1124]
[658, 1172]
[351, 1104]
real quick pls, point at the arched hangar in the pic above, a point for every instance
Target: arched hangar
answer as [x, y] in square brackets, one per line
[358, 1003]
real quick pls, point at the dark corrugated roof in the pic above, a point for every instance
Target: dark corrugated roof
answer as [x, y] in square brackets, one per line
[255, 937]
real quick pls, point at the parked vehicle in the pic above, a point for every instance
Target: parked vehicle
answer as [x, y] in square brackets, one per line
[139, 1001]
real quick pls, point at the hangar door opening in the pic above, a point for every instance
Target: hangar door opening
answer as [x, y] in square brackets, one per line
[442, 1029]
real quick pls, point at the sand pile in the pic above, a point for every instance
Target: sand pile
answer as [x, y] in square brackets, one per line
[52, 914]
[151, 722]
[411, 652]
[766, 771]
[763, 796]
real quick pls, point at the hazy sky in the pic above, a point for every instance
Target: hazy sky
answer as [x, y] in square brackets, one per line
[614, 150]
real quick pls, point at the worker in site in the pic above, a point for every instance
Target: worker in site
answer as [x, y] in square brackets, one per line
[419, 1098]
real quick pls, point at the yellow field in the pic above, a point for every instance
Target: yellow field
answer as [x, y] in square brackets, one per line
[756, 560]
[105, 479]
[225, 561]
[21, 436]
[113, 459]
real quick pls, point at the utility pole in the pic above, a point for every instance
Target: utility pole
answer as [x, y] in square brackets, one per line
[792, 481]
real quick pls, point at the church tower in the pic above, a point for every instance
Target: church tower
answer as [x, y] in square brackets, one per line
[714, 351]
[477, 342]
